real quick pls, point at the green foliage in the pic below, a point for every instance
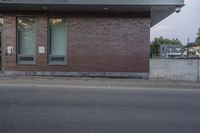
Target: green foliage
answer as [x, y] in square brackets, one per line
[155, 45]
[1, 22]
[191, 44]
[197, 41]
[1, 25]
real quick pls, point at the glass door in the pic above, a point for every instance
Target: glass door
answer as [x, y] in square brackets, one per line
[1, 43]
[1, 50]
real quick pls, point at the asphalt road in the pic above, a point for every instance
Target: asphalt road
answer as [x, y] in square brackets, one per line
[59, 110]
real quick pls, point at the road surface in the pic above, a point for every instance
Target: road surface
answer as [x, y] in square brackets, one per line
[94, 110]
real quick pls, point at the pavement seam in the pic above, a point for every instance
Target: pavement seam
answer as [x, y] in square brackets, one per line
[97, 87]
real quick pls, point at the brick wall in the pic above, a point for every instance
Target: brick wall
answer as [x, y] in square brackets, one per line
[95, 44]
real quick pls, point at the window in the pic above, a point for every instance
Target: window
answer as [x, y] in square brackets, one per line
[170, 49]
[26, 40]
[178, 49]
[1, 22]
[57, 41]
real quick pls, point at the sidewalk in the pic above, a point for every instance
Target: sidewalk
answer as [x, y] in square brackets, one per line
[67, 82]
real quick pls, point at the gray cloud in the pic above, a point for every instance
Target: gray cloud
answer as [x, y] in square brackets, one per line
[182, 25]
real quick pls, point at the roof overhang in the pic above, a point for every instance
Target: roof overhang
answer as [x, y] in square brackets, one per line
[159, 9]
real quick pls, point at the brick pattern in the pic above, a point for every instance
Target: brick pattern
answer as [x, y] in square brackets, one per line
[94, 44]
[10, 40]
[42, 40]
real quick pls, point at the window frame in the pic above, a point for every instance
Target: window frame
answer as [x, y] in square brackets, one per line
[18, 55]
[50, 62]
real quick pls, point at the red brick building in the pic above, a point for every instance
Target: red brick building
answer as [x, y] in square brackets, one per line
[79, 38]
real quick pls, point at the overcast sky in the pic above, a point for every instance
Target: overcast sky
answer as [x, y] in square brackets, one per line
[180, 25]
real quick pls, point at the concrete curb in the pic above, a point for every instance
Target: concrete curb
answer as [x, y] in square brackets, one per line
[50, 87]
[52, 82]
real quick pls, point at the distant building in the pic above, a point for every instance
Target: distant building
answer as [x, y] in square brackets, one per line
[171, 51]
[192, 52]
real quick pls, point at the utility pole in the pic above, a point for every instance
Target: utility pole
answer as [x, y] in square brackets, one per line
[188, 48]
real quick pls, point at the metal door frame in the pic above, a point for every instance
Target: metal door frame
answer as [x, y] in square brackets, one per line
[2, 51]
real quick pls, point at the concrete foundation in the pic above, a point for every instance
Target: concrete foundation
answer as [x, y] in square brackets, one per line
[79, 74]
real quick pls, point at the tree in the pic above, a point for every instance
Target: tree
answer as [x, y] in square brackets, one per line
[191, 44]
[1, 22]
[176, 42]
[155, 45]
[197, 41]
